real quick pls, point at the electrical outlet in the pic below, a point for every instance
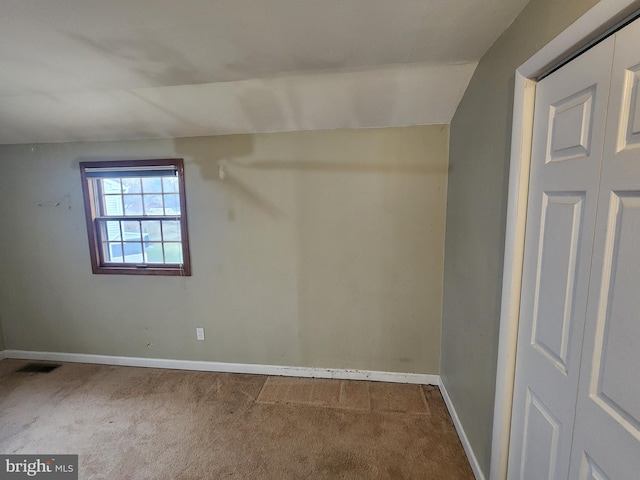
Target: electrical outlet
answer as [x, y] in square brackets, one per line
[200, 333]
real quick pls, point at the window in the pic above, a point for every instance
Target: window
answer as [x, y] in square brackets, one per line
[136, 216]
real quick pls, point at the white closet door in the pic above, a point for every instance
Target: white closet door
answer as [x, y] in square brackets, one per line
[607, 433]
[569, 126]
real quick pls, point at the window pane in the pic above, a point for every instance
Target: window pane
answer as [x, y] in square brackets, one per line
[172, 204]
[133, 205]
[131, 231]
[111, 185]
[170, 184]
[133, 252]
[113, 205]
[152, 185]
[171, 231]
[173, 252]
[153, 252]
[111, 231]
[153, 205]
[131, 185]
[113, 252]
[151, 231]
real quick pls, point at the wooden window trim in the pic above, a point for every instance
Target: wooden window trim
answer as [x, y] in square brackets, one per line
[91, 214]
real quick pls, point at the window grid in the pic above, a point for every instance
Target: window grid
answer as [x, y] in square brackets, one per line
[141, 241]
[122, 202]
[143, 199]
[164, 256]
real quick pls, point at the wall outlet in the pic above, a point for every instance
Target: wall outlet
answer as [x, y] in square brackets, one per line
[200, 333]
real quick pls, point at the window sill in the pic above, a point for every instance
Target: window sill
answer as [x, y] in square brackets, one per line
[150, 270]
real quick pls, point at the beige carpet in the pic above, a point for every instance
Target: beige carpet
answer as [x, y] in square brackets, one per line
[139, 423]
[349, 395]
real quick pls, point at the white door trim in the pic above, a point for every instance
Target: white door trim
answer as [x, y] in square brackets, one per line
[521, 136]
[522, 130]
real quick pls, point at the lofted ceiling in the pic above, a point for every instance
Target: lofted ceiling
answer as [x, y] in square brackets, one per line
[80, 70]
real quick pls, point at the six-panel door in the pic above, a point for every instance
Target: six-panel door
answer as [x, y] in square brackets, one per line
[576, 407]
[569, 123]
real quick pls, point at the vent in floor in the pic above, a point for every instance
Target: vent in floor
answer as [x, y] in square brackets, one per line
[38, 367]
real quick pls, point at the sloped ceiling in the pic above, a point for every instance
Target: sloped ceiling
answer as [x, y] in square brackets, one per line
[79, 70]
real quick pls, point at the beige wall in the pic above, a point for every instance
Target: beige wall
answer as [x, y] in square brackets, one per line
[319, 249]
[476, 209]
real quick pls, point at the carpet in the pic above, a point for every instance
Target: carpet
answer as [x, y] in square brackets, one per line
[143, 423]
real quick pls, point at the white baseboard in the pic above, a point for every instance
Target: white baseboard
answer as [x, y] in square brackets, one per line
[3, 354]
[279, 370]
[475, 466]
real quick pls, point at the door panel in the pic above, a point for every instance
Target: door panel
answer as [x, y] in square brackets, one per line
[607, 426]
[590, 470]
[568, 136]
[570, 126]
[560, 237]
[615, 378]
[541, 433]
[629, 132]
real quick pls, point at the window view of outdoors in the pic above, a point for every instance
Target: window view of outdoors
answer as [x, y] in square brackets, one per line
[140, 220]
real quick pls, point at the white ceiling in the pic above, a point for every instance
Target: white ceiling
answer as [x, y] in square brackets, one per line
[123, 69]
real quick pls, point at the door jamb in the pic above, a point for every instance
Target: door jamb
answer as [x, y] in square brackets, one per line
[521, 138]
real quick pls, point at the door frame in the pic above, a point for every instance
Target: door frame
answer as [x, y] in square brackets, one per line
[582, 30]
